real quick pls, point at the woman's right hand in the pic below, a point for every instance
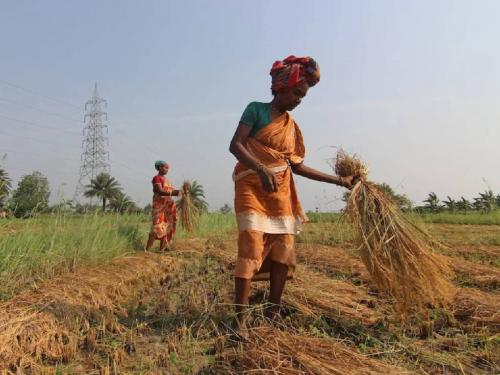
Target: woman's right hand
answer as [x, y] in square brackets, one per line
[347, 182]
[268, 179]
[176, 193]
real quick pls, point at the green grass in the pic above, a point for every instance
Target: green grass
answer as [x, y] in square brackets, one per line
[471, 218]
[326, 233]
[39, 248]
[323, 217]
[209, 224]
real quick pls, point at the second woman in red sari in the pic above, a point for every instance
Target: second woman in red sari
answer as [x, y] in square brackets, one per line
[164, 211]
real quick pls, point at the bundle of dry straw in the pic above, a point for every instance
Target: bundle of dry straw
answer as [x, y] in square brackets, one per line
[396, 252]
[187, 209]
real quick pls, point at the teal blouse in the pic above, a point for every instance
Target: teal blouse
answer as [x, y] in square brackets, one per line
[257, 115]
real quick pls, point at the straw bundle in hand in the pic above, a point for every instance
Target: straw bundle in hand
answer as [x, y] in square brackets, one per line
[396, 252]
[187, 209]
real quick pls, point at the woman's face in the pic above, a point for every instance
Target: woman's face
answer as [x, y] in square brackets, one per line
[289, 98]
[163, 169]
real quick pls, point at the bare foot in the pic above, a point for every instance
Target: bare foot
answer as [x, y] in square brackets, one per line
[242, 331]
[273, 312]
[166, 248]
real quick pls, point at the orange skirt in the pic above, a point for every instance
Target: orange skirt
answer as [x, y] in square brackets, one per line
[257, 249]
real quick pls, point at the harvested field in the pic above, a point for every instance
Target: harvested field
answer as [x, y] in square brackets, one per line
[173, 313]
[475, 274]
[274, 351]
[473, 235]
[335, 261]
[489, 255]
[51, 323]
[475, 308]
[311, 293]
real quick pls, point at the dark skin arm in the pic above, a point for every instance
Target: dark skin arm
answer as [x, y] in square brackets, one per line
[158, 190]
[238, 149]
[313, 174]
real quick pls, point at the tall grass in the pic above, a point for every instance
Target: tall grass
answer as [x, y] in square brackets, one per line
[39, 248]
[209, 224]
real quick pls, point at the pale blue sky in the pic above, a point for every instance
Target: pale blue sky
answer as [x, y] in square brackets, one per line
[411, 86]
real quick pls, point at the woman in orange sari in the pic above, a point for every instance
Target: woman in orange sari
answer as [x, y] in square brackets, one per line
[164, 212]
[269, 147]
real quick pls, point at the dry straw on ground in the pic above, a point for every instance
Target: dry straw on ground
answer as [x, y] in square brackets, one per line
[396, 252]
[335, 299]
[187, 209]
[475, 274]
[53, 322]
[475, 308]
[270, 350]
[334, 261]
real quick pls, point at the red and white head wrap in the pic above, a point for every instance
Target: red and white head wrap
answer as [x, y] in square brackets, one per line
[293, 71]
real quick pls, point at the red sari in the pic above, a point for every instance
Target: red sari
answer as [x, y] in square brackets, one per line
[164, 212]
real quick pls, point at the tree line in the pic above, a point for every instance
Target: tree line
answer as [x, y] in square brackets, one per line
[485, 202]
[33, 192]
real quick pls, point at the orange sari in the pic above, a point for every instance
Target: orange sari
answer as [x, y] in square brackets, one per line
[267, 222]
[164, 212]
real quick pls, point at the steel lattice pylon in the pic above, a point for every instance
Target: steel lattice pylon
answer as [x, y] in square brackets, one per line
[95, 157]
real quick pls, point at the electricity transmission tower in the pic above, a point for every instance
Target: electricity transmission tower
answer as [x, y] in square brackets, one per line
[95, 156]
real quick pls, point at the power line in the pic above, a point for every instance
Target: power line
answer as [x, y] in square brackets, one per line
[39, 109]
[43, 141]
[43, 170]
[59, 157]
[37, 125]
[141, 182]
[61, 173]
[33, 92]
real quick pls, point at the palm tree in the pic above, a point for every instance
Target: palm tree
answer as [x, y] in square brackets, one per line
[464, 205]
[486, 201]
[121, 203]
[226, 209]
[432, 202]
[104, 187]
[198, 196]
[451, 204]
[5, 185]
[478, 204]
